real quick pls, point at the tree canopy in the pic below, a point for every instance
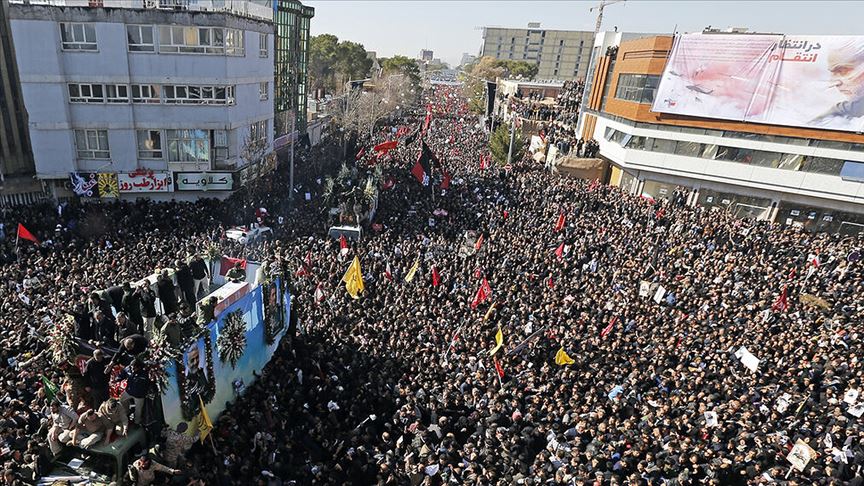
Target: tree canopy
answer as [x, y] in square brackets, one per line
[401, 65]
[333, 62]
[487, 68]
[499, 144]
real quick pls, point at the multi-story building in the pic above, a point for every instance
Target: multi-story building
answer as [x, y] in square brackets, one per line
[144, 100]
[558, 54]
[16, 162]
[782, 145]
[426, 55]
[291, 19]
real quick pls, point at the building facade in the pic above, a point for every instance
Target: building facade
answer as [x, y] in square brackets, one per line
[291, 61]
[558, 54]
[124, 102]
[791, 175]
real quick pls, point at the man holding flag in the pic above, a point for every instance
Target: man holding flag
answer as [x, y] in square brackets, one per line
[353, 279]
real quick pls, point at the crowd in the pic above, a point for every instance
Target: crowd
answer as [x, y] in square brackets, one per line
[650, 303]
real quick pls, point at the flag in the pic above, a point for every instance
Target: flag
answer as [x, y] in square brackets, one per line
[389, 182]
[387, 273]
[498, 368]
[360, 154]
[608, 328]
[24, 233]
[319, 294]
[482, 294]
[505, 214]
[386, 146]
[204, 425]
[353, 279]
[413, 136]
[484, 162]
[343, 245]
[562, 359]
[430, 156]
[413, 270]
[782, 302]
[813, 258]
[560, 224]
[401, 131]
[421, 171]
[228, 263]
[50, 389]
[559, 252]
[499, 342]
[479, 242]
[306, 266]
[550, 283]
[445, 183]
[436, 279]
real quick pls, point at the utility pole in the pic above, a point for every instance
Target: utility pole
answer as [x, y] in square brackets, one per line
[512, 135]
[291, 173]
[599, 8]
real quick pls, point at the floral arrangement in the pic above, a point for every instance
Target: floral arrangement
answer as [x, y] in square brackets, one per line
[232, 338]
[159, 354]
[61, 341]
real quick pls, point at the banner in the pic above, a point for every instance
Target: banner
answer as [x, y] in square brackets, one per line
[254, 325]
[145, 181]
[800, 81]
[204, 181]
[84, 185]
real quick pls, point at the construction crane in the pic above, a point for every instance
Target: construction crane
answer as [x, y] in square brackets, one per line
[599, 8]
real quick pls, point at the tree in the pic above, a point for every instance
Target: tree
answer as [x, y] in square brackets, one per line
[361, 109]
[401, 65]
[519, 69]
[487, 68]
[499, 144]
[322, 60]
[351, 62]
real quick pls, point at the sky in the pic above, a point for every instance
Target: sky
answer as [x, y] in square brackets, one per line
[451, 28]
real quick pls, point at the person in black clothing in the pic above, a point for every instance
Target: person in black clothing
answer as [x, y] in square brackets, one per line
[97, 375]
[132, 304]
[130, 348]
[97, 303]
[115, 297]
[105, 329]
[165, 288]
[186, 282]
[83, 322]
[148, 307]
[137, 383]
[200, 275]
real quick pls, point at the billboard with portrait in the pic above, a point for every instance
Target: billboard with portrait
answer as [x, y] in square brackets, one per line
[800, 81]
[218, 366]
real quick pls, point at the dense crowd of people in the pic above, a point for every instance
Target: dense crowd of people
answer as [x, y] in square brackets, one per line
[650, 302]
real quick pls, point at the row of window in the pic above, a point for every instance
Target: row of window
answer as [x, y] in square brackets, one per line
[186, 145]
[171, 39]
[760, 158]
[758, 137]
[640, 88]
[152, 94]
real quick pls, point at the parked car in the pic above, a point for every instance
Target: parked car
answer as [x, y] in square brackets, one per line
[246, 235]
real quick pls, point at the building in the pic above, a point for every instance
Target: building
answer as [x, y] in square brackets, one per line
[426, 55]
[17, 184]
[142, 100]
[291, 20]
[558, 54]
[509, 91]
[467, 59]
[748, 144]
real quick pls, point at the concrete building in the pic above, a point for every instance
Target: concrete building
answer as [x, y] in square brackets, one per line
[163, 102]
[781, 172]
[426, 55]
[291, 61]
[558, 54]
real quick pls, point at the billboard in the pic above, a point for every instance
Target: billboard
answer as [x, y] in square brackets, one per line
[800, 81]
[253, 326]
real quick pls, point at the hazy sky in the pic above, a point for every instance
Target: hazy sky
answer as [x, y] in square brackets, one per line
[449, 27]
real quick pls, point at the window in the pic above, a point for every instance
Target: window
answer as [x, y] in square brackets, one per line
[198, 95]
[220, 144]
[823, 165]
[145, 93]
[688, 149]
[78, 37]
[188, 145]
[258, 131]
[195, 40]
[734, 154]
[117, 93]
[234, 42]
[149, 144]
[262, 90]
[640, 88]
[92, 144]
[262, 45]
[664, 146]
[85, 93]
[139, 38]
[791, 162]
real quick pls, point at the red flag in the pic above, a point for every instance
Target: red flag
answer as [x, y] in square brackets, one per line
[385, 146]
[436, 279]
[228, 263]
[319, 294]
[505, 214]
[479, 242]
[389, 182]
[420, 173]
[608, 328]
[26, 234]
[343, 245]
[482, 294]
[782, 302]
[484, 162]
[559, 252]
[814, 257]
[559, 225]
[445, 183]
[550, 283]
[498, 368]
[387, 273]
[360, 154]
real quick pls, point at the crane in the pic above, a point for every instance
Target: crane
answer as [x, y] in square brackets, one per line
[599, 8]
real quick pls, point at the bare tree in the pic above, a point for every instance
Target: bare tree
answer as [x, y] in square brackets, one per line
[361, 110]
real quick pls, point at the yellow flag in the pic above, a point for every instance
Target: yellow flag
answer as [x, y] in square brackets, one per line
[562, 359]
[354, 279]
[205, 425]
[413, 270]
[499, 341]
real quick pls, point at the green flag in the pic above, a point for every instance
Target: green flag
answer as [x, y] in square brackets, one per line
[50, 388]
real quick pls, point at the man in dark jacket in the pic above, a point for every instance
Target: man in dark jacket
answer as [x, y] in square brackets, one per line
[186, 283]
[148, 307]
[200, 275]
[105, 329]
[167, 294]
[97, 375]
[132, 304]
[83, 322]
[97, 303]
[137, 383]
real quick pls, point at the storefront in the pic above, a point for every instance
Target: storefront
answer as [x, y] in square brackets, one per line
[743, 207]
[820, 219]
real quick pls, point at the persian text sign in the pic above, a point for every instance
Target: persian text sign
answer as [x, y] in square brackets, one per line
[204, 181]
[145, 181]
[802, 81]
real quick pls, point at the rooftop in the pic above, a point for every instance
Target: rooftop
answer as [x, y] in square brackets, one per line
[255, 9]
